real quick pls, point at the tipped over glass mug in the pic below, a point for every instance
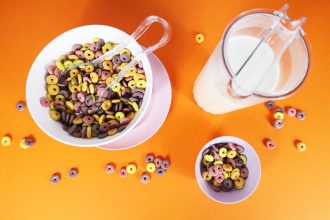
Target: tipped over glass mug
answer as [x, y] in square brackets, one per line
[263, 55]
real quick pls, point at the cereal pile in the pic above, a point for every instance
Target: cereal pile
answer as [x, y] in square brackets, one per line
[224, 167]
[79, 98]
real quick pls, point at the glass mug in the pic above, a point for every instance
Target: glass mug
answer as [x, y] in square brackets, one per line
[263, 55]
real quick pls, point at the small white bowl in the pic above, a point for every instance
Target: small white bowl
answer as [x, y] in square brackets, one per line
[234, 196]
[35, 86]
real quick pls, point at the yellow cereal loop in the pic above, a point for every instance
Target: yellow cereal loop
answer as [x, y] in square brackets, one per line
[244, 158]
[208, 158]
[106, 105]
[51, 79]
[52, 106]
[67, 64]
[234, 175]
[125, 50]
[236, 170]
[96, 117]
[73, 57]
[131, 169]
[86, 45]
[55, 115]
[239, 183]
[60, 98]
[115, 100]
[199, 38]
[231, 154]
[217, 162]
[53, 89]
[23, 145]
[301, 147]
[141, 84]
[89, 55]
[77, 121]
[279, 115]
[89, 132]
[79, 78]
[129, 74]
[84, 86]
[112, 132]
[74, 72]
[107, 65]
[74, 89]
[5, 141]
[131, 115]
[77, 62]
[206, 176]
[96, 39]
[151, 167]
[114, 76]
[49, 96]
[116, 87]
[138, 76]
[91, 89]
[108, 81]
[69, 104]
[94, 77]
[121, 66]
[101, 119]
[61, 58]
[59, 65]
[89, 68]
[133, 71]
[110, 117]
[131, 84]
[226, 175]
[119, 116]
[227, 167]
[106, 48]
[134, 105]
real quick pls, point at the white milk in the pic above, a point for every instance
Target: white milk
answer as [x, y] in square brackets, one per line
[211, 86]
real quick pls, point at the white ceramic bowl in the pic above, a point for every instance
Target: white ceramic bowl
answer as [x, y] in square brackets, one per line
[35, 86]
[234, 196]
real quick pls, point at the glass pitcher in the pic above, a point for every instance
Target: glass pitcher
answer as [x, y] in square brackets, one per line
[262, 56]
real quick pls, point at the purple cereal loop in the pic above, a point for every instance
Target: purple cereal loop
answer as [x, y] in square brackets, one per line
[218, 168]
[57, 71]
[69, 53]
[99, 44]
[74, 96]
[93, 47]
[77, 106]
[80, 54]
[76, 47]
[81, 97]
[105, 74]
[213, 171]
[87, 79]
[219, 178]
[231, 146]
[98, 54]
[51, 68]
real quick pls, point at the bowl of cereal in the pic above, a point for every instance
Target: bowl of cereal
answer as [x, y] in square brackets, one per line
[79, 109]
[228, 169]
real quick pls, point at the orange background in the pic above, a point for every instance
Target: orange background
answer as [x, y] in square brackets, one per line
[293, 185]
